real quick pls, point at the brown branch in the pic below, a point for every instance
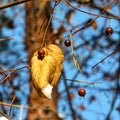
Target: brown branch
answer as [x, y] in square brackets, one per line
[69, 98]
[118, 49]
[12, 72]
[45, 33]
[36, 107]
[24, 107]
[92, 21]
[13, 99]
[110, 14]
[5, 115]
[97, 15]
[17, 106]
[7, 38]
[12, 4]
[80, 81]
[113, 102]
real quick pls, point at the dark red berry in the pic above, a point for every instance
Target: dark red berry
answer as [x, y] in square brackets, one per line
[109, 30]
[41, 53]
[81, 92]
[67, 43]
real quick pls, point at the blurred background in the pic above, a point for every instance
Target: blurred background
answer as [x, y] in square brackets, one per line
[88, 21]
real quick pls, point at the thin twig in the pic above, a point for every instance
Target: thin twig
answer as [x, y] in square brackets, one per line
[12, 72]
[74, 59]
[7, 77]
[7, 38]
[17, 106]
[13, 99]
[5, 115]
[12, 4]
[72, 110]
[92, 21]
[45, 33]
[81, 81]
[24, 107]
[89, 13]
[118, 49]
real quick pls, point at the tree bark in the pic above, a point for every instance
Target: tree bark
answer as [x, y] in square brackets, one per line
[37, 17]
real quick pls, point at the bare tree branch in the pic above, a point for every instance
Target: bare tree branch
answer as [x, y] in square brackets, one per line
[69, 99]
[12, 4]
[7, 38]
[118, 49]
[97, 15]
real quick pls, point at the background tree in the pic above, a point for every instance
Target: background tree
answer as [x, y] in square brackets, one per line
[94, 49]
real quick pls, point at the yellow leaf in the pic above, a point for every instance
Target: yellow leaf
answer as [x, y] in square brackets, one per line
[46, 71]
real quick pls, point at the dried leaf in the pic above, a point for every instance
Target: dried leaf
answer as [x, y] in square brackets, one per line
[72, 95]
[81, 107]
[10, 24]
[118, 108]
[94, 24]
[116, 74]
[69, 15]
[47, 71]
[92, 98]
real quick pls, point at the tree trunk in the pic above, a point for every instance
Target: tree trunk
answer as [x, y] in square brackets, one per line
[37, 17]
